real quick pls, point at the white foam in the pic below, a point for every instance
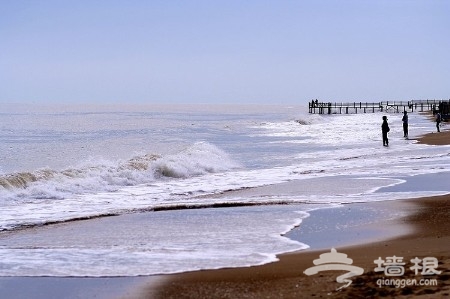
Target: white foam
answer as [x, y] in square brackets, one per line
[163, 242]
[185, 192]
[198, 159]
[97, 175]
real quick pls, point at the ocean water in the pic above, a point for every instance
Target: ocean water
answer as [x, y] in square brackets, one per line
[256, 172]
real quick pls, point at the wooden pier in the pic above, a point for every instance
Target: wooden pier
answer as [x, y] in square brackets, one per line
[367, 107]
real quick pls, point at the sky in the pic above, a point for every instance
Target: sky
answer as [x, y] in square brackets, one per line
[253, 51]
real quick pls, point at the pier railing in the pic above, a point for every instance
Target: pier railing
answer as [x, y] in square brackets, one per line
[372, 107]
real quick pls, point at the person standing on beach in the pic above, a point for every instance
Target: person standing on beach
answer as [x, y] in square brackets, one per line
[405, 124]
[438, 121]
[385, 129]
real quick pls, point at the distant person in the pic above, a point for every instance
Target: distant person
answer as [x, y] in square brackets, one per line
[385, 129]
[438, 121]
[405, 124]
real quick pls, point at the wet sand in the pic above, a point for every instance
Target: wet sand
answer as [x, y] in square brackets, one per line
[442, 138]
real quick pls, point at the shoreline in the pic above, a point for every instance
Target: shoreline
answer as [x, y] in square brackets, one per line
[286, 279]
[430, 237]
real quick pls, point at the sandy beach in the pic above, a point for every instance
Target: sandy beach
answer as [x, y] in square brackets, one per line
[429, 238]
[442, 138]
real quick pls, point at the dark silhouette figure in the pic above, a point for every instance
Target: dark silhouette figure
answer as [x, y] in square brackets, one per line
[438, 121]
[405, 124]
[384, 130]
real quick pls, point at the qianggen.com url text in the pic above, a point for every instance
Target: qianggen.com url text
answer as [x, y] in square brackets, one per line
[401, 283]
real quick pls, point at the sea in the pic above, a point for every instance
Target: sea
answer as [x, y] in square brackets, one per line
[126, 190]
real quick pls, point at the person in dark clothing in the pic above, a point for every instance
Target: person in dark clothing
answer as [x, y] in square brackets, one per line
[385, 129]
[438, 121]
[405, 124]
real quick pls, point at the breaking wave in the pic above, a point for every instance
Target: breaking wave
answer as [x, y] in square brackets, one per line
[97, 176]
[198, 159]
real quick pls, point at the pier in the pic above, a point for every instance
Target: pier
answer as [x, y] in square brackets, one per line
[371, 107]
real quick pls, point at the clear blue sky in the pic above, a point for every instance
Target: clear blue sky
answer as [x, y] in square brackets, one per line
[227, 51]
